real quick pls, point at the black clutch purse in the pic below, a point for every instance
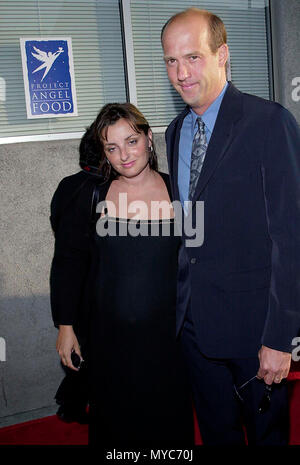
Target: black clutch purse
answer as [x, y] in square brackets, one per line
[77, 362]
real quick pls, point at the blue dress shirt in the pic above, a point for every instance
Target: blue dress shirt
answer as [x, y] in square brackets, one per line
[187, 132]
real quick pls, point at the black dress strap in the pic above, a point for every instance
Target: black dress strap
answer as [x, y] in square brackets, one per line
[166, 179]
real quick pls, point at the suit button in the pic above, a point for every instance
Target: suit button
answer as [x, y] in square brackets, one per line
[193, 261]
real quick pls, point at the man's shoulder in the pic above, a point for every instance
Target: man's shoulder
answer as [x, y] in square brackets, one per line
[179, 117]
[262, 107]
[270, 116]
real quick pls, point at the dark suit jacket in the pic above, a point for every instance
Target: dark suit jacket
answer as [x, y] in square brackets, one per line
[72, 268]
[244, 281]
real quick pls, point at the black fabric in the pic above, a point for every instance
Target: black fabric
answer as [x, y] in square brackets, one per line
[72, 274]
[139, 393]
[220, 412]
[71, 264]
[73, 391]
[71, 223]
[244, 278]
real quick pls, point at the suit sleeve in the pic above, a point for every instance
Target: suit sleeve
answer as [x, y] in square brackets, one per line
[281, 182]
[71, 260]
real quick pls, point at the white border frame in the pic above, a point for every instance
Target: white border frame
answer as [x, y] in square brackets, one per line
[23, 40]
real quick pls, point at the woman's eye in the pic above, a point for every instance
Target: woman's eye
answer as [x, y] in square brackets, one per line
[133, 141]
[110, 149]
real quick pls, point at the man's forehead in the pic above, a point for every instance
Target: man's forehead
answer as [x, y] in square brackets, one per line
[190, 27]
[187, 36]
[196, 21]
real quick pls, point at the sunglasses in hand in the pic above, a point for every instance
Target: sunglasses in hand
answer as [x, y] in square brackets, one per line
[265, 402]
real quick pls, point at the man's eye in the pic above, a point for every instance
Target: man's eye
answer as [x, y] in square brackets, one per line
[171, 61]
[193, 57]
[132, 141]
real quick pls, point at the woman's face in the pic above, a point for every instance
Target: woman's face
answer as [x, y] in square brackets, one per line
[126, 149]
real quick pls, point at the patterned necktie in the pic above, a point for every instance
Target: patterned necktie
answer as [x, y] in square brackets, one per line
[198, 153]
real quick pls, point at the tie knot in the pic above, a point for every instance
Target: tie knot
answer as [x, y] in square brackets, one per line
[201, 124]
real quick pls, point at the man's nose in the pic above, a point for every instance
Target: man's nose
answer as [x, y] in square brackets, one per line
[182, 71]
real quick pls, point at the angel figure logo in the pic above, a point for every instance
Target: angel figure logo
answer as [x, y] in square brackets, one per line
[48, 58]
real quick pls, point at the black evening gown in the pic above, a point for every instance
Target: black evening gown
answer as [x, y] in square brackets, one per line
[139, 393]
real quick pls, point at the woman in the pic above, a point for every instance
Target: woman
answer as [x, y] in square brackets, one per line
[138, 390]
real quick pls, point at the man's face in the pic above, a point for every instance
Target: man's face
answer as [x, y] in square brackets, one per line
[196, 73]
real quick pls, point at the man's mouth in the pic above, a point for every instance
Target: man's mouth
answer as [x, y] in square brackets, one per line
[185, 87]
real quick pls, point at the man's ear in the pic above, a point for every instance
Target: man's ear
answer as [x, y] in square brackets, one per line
[223, 54]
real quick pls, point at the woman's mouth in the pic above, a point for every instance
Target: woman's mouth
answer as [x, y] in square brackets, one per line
[129, 164]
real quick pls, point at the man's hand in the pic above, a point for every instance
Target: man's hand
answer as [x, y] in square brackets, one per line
[274, 365]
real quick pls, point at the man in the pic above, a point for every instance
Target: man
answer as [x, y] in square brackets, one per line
[238, 294]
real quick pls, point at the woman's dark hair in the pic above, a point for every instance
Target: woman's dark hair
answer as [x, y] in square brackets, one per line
[109, 115]
[89, 151]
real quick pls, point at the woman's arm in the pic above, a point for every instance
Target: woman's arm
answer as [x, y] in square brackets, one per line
[67, 343]
[70, 217]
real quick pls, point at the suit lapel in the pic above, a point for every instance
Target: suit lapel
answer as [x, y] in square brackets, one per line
[222, 136]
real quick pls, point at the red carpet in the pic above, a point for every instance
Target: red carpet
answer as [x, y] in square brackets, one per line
[52, 431]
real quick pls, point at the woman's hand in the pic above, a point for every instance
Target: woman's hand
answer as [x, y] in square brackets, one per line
[67, 343]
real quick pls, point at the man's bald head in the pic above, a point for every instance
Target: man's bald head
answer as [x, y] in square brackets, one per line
[216, 27]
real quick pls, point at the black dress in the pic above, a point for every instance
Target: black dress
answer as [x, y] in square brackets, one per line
[139, 393]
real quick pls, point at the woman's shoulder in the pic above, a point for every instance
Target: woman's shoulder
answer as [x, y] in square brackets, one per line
[166, 179]
[165, 176]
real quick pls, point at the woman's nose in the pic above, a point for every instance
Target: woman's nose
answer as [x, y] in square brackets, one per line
[123, 154]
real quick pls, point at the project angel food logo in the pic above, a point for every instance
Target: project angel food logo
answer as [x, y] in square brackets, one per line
[48, 74]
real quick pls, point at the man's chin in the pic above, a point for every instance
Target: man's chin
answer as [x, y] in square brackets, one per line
[192, 102]
[189, 99]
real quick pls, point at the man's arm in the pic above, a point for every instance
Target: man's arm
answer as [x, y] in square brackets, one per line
[281, 181]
